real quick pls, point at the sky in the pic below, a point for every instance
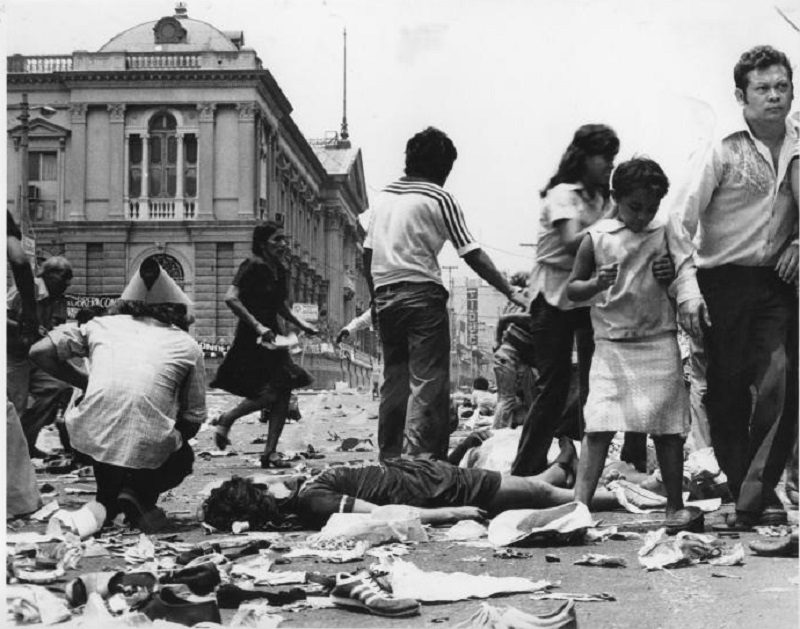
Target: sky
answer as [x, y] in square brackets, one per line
[508, 80]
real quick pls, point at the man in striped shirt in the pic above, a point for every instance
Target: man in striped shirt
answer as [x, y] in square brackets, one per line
[411, 220]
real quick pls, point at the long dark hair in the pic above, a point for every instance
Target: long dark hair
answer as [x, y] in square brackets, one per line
[262, 233]
[589, 140]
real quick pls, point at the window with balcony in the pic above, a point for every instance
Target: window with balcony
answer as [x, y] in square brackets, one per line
[162, 172]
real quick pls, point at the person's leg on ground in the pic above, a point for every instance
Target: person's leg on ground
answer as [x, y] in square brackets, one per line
[517, 492]
[429, 372]
[394, 390]
[48, 394]
[148, 484]
[553, 337]
[590, 467]
[110, 480]
[571, 422]
[506, 366]
[669, 451]
[790, 407]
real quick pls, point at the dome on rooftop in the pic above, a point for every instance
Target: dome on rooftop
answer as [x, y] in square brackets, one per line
[175, 33]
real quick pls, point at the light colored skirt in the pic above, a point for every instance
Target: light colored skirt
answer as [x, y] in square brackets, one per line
[637, 386]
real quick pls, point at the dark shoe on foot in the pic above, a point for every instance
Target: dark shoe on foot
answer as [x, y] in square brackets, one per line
[690, 519]
[773, 516]
[148, 519]
[274, 461]
[735, 523]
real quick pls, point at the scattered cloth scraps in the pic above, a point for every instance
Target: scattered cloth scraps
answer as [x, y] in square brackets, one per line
[606, 561]
[46, 511]
[466, 530]
[566, 523]
[489, 617]
[33, 604]
[602, 597]
[660, 551]
[734, 557]
[409, 581]
[344, 555]
[143, 550]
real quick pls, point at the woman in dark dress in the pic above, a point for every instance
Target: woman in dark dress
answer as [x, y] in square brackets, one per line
[264, 377]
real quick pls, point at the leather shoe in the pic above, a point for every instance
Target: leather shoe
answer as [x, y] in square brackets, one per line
[690, 519]
[201, 579]
[167, 605]
[781, 547]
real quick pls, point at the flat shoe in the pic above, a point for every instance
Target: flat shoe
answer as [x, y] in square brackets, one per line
[690, 519]
[167, 605]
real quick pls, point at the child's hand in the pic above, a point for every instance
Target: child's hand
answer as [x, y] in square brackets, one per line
[607, 275]
[664, 269]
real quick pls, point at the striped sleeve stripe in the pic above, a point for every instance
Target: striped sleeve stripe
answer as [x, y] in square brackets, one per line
[451, 212]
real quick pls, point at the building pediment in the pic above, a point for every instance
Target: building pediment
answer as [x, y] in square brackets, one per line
[39, 127]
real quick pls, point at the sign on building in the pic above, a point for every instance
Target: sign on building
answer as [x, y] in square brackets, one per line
[307, 312]
[78, 302]
[472, 317]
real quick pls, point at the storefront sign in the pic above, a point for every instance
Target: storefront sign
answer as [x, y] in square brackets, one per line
[307, 312]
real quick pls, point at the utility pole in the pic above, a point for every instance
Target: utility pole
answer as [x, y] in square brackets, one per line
[453, 326]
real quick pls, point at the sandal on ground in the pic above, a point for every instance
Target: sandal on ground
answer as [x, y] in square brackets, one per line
[274, 460]
[690, 519]
[786, 546]
[734, 523]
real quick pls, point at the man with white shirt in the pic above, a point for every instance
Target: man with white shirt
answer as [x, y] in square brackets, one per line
[411, 220]
[741, 214]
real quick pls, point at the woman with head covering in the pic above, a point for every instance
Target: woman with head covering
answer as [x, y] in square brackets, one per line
[264, 377]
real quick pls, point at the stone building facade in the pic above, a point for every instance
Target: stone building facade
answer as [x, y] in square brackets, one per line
[172, 141]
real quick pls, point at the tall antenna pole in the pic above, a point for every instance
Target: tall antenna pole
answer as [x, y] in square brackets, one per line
[345, 133]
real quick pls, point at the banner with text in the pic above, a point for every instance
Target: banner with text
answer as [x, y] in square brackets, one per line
[472, 317]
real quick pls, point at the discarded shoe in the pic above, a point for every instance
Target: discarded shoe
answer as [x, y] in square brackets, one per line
[167, 605]
[689, 519]
[147, 520]
[201, 579]
[230, 596]
[786, 546]
[363, 591]
[107, 584]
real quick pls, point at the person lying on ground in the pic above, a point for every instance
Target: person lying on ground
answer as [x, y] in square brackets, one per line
[442, 492]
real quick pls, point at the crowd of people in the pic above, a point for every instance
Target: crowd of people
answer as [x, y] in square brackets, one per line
[614, 282]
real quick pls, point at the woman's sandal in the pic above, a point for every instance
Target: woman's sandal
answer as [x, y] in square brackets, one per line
[221, 431]
[274, 460]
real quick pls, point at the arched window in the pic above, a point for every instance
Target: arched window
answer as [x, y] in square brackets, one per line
[172, 267]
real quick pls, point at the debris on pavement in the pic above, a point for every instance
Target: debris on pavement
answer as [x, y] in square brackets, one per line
[606, 561]
[661, 551]
[564, 524]
[490, 617]
[581, 597]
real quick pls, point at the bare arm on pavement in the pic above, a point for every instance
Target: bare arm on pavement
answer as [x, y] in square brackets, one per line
[442, 515]
[45, 355]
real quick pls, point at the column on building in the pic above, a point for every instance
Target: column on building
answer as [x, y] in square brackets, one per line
[117, 160]
[77, 162]
[144, 211]
[247, 159]
[205, 174]
[180, 208]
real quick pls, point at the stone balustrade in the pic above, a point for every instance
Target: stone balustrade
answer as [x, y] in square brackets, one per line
[46, 64]
[143, 209]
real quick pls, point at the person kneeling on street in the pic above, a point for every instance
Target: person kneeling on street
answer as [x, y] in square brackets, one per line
[144, 394]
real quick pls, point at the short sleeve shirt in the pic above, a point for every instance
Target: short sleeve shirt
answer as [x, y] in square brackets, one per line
[554, 262]
[411, 220]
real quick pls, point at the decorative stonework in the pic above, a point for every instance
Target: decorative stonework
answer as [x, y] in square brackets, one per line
[206, 111]
[77, 112]
[168, 30]
[247, 111]
[116, 112]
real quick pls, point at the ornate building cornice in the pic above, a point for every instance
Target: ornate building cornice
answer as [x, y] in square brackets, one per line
[206, 111]
[116, 112]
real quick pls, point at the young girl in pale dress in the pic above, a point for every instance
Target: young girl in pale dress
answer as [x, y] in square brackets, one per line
[636, 380]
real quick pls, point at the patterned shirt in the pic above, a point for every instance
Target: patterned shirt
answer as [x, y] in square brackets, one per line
[550, 275]
[410, 222]
[738, 207]
[144, 376]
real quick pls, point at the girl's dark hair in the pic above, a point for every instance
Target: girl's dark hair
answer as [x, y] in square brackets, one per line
[171, 314]
[430, 154]
[589, 140]
[638, 173]
[240, 500]
[84, 315]
[262, 233]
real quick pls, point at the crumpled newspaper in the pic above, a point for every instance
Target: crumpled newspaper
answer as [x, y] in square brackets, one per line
[144, 550]
[409, 581]
[660, 551]
[466, 530]
[341, 555]
[606, 561]
[34, 603]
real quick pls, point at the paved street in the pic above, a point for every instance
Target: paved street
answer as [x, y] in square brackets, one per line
[762, 592]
